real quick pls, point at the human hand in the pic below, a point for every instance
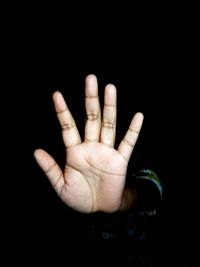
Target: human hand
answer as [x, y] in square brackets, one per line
[94, 175]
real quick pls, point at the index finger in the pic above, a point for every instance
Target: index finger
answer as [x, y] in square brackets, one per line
[71, 136]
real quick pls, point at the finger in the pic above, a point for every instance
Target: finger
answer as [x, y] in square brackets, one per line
[70, 132]
[108, 129]
[128, 142]
[93, 112]
[50, 168]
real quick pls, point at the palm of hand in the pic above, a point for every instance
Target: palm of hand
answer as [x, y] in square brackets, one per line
[94, 178]
[94, 174]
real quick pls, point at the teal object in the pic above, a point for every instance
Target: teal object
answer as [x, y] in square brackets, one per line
[152, 177]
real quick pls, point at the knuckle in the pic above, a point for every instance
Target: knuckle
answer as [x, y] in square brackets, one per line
[67, 126]
[92, 116]
[109, 125]
[127, 142]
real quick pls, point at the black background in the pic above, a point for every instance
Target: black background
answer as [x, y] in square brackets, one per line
[150, 64]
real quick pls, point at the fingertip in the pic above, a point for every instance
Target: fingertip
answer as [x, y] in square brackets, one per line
[59, 101]
[140, 115]
[91, 78]
[137, 121]
[37, 152]
[110, 97]
[110, 88]
[56, 94]
[43, 159]
[91, 86]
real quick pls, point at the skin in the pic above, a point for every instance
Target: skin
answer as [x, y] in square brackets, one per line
[94, 175]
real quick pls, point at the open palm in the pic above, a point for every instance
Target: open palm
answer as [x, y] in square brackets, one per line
[94, 175]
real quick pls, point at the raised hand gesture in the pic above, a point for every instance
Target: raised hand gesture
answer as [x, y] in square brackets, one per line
[94, 175]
